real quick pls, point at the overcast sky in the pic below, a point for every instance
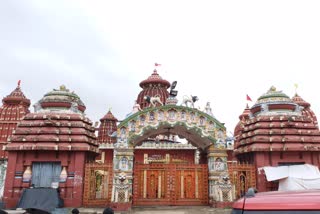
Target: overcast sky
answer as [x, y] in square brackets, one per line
[217, 50]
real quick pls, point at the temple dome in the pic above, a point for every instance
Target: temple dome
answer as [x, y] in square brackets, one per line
[154, 79]
[153, 86]
[16, 97]
[274, 102]
[272, 95]
[61, 99]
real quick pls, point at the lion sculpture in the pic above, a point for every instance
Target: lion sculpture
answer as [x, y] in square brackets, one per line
[153, 100]
[186, 100]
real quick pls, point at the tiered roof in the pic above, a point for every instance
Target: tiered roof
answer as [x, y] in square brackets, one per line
[107, 127]
[277, 123]
[57, 124]
[15, 107]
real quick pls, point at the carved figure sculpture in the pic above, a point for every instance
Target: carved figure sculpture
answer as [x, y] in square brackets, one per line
[136, 107]
[208, 109]
[153, 100]
[191, 100]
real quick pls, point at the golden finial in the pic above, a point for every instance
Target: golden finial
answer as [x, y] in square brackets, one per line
[62, 88]
[272, 89]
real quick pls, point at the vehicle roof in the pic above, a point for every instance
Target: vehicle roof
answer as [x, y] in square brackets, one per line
[278, 200]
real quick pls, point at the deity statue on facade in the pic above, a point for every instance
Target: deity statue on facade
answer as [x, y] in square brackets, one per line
[218, 164]
[208, 109]
[136, 107]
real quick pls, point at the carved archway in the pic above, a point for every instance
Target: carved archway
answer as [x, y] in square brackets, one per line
[201, 129]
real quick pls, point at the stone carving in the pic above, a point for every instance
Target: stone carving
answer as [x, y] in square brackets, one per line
[153, 100]
[186, 100]
[123, 165]
[3, 170]
[264, 108]
[219, 165]
[122, 177]
[208, 109]
[136, 107]
[113, 134]
[37, 107]
[74, 107]
[298, 109]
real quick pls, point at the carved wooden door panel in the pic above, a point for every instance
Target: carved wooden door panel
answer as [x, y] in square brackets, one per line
[189, 186]
[150, 184]
[155, 184]
[170, 184]
[186, 184]
[242, 176]
[152, 188]
[192, 185]
[97, 184]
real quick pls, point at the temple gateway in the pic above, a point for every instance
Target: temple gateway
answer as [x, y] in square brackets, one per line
[164, 152]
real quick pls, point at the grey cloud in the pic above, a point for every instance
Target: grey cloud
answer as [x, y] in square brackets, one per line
[48, 43]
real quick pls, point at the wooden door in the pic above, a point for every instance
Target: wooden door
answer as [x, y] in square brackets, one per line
[97, 185]
[170, 184]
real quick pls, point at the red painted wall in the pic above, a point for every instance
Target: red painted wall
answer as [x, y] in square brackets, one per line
[278, 158]
[108, 155]
[71, 191]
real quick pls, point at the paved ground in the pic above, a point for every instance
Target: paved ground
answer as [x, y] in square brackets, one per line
[181, 210]
[148, 210]
[166, 210]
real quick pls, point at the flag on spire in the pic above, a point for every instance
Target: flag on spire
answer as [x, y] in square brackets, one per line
[157, 64]
[248, 98]
[295, 87]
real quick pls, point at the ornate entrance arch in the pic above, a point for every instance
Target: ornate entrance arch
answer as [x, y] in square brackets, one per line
[203, 131]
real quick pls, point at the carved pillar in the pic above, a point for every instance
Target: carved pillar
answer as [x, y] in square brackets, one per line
[3, 170]
[220, 188]
[122, 178]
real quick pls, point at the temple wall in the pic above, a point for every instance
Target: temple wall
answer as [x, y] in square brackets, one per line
[71, 189]
[281, 158]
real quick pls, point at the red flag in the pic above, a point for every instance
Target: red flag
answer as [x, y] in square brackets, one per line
[19, 83]
[157, 64]
[248, 98]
